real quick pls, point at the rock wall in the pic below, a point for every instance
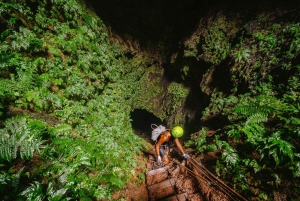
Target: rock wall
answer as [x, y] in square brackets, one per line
[196, 50]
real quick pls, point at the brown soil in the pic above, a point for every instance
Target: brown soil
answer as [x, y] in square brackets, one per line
[48, 118]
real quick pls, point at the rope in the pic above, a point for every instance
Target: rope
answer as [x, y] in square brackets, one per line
[191, 172]
[210, 178]
[213, 179]
[212, 182]
[197, 176]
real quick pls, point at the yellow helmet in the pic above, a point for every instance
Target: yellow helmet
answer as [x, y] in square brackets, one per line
[177, 131]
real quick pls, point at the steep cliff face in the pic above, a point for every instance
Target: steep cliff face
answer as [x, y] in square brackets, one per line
[204, 48]
[233, 68]
[228, 71]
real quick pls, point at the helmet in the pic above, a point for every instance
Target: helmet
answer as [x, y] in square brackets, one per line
[177, 131]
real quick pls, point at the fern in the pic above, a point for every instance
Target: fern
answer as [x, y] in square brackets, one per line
[16, 179]
[25, 40]
[7, 88]
[61, 129]
[55, 195]
[4, 179]
[34, 192]
[229, 155]
[253, 132]
[17, 136]
[71, 159]
[42, 99]
[79, 60]
[257, 118]
[255, 115]
[277, 148]
[251, 109]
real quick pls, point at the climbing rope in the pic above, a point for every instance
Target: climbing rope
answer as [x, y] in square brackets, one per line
[197, 176]
[211, 179]
[191, 172]
[226, 189]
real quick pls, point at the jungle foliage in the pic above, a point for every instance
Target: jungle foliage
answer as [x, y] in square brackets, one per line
[56, 59]
[258, 149]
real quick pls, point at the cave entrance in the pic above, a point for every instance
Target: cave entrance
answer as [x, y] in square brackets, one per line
[141, 123]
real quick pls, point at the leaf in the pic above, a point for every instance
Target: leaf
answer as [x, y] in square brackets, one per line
[23, 138]
[117, 182]
[133, 164]
[295, 120]
[55, 195]
[273, 152]
[61, 129]
[287, 149]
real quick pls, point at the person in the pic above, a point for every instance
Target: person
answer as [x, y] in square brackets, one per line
[164, 138]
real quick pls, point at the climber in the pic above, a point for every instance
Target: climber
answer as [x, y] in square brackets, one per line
[164, 138]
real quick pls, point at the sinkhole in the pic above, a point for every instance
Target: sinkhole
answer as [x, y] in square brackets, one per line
[141, 123]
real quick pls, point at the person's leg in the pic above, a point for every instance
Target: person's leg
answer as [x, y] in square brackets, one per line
[161, 150]
[164, 152]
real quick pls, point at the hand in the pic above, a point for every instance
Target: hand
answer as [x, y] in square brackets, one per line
[185, 156]
[159, 160]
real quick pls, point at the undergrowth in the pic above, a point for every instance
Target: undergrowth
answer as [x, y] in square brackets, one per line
[258, 148]
[57, 59]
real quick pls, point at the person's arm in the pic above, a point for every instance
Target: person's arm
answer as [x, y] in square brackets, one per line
[178, 144]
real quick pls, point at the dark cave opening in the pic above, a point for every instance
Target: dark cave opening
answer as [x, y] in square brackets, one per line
[154, 22]
[141, 123]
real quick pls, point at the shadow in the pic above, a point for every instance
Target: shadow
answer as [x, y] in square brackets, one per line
[151, 22]
[141, 123]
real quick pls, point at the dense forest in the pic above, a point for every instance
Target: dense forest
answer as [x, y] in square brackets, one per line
[73, 71]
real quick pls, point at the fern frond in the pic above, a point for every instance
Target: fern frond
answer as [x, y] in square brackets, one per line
[5, 86]
[64, 177]
[253, 129]
[15, 124]
[56, 101]
[257, 118]
[17, 135]
[54, 195]
[16, 179]
[295, 120]
[248, 110]
[34, 192]
[61, 129]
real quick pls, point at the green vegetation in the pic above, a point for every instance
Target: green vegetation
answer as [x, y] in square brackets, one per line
[258, 148]
[20, 138]
[57, 61]
[74, 90]
[176, 95]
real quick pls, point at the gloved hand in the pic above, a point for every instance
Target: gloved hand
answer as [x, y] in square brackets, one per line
[185, 156]
[159, 160]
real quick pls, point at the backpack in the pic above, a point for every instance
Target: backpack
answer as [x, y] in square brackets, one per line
[157, 131]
